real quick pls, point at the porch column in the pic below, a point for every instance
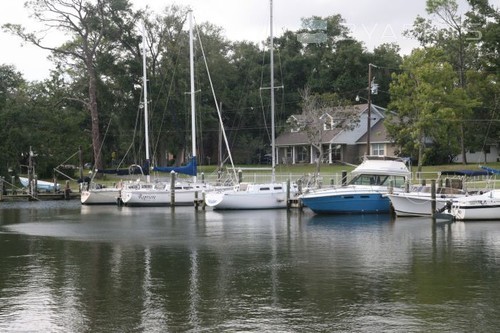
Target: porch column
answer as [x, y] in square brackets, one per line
[293, 154]
[330, 154]
[311, 155]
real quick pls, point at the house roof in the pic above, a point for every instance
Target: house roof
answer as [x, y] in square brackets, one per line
[378, 134]
[297, 138]
[349, 113]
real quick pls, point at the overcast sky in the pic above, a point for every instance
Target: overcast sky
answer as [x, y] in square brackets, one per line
[372, 22]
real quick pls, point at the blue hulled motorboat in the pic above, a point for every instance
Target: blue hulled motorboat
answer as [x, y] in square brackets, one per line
[366, 192]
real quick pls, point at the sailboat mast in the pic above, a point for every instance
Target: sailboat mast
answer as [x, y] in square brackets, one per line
[145, 93]
[271, 48]
[193, 107]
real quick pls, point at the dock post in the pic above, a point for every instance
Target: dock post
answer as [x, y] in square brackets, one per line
[288, 193]
[80, 167]
[240, 176]
[344, 178]
[196, 202]
[34, 187]
[54, 181]
[203, 205]
[1, 188]
[433, 200]
[12, 186]
[172, 188]
[67, 191]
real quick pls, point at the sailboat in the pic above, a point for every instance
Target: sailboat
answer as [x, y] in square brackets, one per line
[271, 195]
[160, 193]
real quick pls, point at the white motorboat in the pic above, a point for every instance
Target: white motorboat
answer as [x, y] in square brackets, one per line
[418, 202]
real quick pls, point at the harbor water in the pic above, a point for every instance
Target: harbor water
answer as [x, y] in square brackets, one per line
[71, 268]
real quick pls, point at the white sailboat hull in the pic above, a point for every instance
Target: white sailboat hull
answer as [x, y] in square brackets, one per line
[484, 206]
[251, 196]
[161, 195]
[103, 196]
[158, 198]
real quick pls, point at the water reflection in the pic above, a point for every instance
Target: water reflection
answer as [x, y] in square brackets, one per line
[82, 268]
[350, 220]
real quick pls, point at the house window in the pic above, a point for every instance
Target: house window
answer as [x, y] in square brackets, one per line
[378, 149]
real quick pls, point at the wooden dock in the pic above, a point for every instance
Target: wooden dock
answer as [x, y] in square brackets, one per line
[39, 197]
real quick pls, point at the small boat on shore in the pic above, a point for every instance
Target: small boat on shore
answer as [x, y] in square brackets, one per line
[41, 185]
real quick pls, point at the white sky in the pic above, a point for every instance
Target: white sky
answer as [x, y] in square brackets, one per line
[372, 22]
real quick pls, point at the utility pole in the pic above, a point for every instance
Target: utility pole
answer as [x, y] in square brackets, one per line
[369, 122]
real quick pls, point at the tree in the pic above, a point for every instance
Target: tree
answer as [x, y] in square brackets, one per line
[484, 26]
[387, 59]
[321, 113]
[12, 99]
[428, 103]
[35, 114]
[90, 25]
[455, 39]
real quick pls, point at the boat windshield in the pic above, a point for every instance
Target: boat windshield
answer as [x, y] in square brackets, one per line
[378, 180]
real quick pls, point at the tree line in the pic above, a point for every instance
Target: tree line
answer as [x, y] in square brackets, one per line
[444, 94]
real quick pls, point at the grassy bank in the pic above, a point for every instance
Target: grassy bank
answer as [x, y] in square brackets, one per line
[261, 173]
[338, 168]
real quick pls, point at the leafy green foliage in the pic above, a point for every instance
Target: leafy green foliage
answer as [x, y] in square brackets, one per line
[438, 93]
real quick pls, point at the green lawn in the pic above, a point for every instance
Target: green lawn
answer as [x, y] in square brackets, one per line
[337, 168]
[328, 172]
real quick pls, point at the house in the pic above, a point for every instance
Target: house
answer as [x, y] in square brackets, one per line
[341, 132]
[489, 154]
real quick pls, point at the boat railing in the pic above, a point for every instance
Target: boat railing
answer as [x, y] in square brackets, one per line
[456, 180]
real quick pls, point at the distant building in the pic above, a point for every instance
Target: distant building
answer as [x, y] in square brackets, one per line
[489, 154]
[342, 133]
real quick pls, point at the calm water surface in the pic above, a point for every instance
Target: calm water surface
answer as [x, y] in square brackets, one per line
[71, 268]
